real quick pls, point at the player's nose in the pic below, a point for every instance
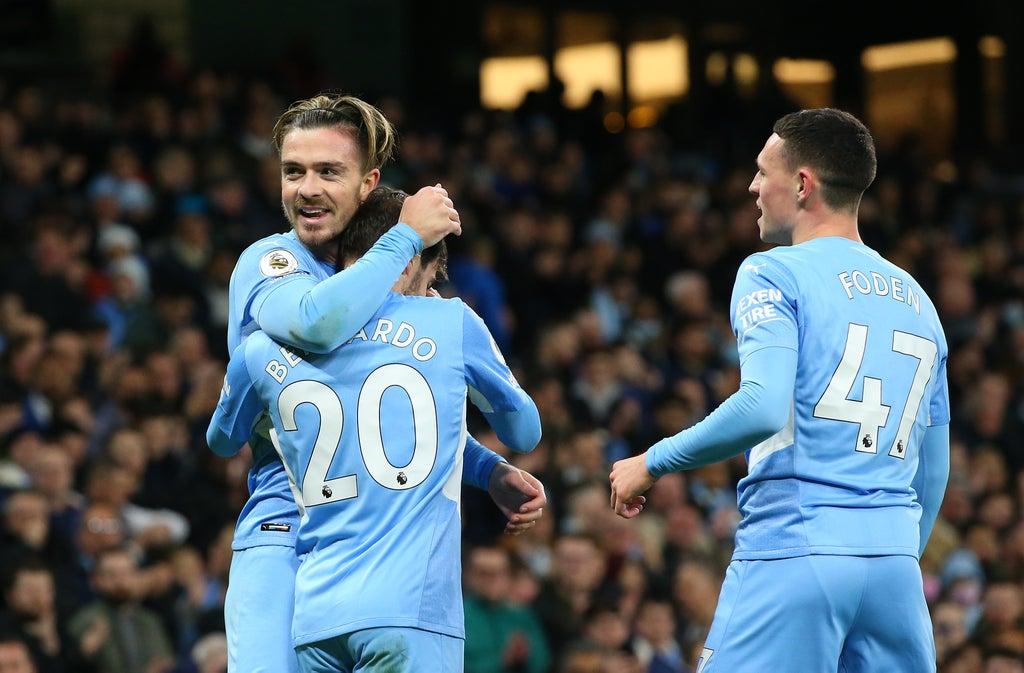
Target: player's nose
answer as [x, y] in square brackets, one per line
[310, 185]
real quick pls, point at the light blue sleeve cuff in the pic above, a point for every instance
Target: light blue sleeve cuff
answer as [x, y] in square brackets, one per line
[478, 462]
[407, 233]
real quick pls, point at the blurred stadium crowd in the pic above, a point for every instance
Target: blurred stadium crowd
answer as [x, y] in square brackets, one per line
[602, 263]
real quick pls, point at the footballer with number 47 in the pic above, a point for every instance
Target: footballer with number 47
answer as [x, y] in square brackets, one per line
[843, 413]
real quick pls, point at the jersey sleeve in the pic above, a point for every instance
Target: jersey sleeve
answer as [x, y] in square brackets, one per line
[262, 267]
[938, 406]
[756, 411]
[494, 389]
[479, 461]
[237, 410]
[294, 308]
[764, 306]
[929, 481]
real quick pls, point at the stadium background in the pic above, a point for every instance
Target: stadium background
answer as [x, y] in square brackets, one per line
[599, 154]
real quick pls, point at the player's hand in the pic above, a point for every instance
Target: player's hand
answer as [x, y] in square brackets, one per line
[519, 495]
[629, 479]
[431, 214]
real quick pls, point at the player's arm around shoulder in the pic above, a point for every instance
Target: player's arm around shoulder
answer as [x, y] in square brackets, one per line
[493, 387]
[263, 266]
[238, 407]
[272, 285]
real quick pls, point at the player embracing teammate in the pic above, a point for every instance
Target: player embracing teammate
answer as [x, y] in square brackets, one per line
[332, 148]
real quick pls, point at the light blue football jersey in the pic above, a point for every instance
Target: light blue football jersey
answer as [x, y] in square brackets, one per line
[871, 376]
[269, 515]
[372, 435]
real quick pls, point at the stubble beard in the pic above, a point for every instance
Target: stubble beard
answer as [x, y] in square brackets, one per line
[778, 234]
[324, 241]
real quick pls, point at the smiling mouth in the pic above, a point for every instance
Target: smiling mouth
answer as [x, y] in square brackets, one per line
[313, 214]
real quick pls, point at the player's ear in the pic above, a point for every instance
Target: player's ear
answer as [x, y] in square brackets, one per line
[370, 182]
[807, 183]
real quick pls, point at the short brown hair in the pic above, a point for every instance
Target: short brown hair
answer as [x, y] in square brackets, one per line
[375, 216]
[374, 133]
[836, 145]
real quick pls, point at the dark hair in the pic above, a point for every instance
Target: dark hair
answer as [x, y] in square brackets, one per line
[9, 637]
[375, 216]
[27, 563]
[837, 146]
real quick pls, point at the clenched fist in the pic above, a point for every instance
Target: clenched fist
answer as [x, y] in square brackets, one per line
[431, 214]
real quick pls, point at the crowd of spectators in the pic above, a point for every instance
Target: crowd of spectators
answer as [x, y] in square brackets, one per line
[602, 263]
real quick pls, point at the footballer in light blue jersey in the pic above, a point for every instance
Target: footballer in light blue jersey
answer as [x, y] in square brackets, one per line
[870, 378]
[331, 149]
[843, 415]
[372, 435]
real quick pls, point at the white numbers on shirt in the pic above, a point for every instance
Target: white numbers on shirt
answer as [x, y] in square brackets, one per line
[424, 418]
[316, 488]
[869, 413]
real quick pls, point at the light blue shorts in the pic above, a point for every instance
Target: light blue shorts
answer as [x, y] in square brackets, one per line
[385, 649]
[258, 610]
[821, 614]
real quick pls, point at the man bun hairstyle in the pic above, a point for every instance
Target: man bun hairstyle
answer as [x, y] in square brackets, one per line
[837, 146]
[368, 125]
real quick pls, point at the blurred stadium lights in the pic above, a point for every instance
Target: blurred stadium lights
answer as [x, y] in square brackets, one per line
[803, 71]
[807, 81]
[992, 46]
[889, 63]
[658, 69]
[746, 71]
[909, 54]
[614, 122]
[585, 68]
[505, 80]
[716, 68]
[642, 116]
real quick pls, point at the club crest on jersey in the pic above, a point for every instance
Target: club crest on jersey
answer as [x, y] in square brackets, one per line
[278, 262]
